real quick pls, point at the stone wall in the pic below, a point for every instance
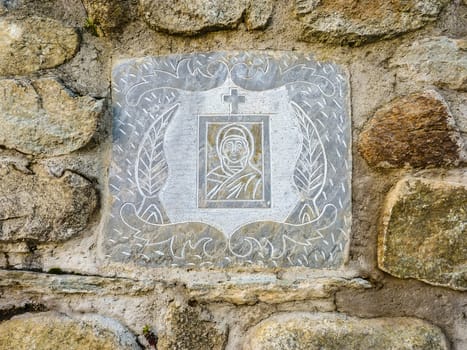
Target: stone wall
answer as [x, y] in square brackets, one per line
[404, 283]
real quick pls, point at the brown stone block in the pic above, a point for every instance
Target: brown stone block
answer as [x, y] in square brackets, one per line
[309, 331]
[42, 208]
[43, 117]
[33, 44]
[416, 130]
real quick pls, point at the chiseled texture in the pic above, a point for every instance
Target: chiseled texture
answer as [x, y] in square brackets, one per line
[358, 22]
[439, 61]
[51, 330]
[425, 234]
[42, 208]
[190, 17]
[417, 129]
[34, 43]
[43, 117]
[308, 331]
[190, 328]
[106, 15]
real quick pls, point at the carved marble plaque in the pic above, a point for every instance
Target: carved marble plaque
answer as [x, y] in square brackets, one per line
[228, 159]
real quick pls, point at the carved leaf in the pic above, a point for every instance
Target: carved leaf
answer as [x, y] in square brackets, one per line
[311, 168]
[151, 169]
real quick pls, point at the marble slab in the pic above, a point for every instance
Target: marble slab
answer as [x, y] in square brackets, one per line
[230, 159]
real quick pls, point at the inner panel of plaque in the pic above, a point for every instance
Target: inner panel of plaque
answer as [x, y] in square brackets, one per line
[234, 168]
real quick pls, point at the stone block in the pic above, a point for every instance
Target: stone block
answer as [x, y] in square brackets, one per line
[191, 328]
[190, 17]
[416, 130]
[41, 208]
[424, 232]
[357, 22]
[307, 331]
[50, 330]
[438, 61]
[34, 43]
[107, 15]
[42, 117]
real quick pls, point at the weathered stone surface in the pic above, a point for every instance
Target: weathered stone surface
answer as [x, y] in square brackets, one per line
[357, 22]
[58, 285]
[51, 330]
[106, 15]
[190, 328]
[424, 233]
[34, 43]
[234, 292]
[43, 117]
[417, 129]
[307, 331]
[440, 61]
[258, 13]
[190, 17]
[41, 208]
[272, 291]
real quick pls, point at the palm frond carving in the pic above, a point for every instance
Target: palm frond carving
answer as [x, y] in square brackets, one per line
[151, 170]
[310, 171]
[311, 168]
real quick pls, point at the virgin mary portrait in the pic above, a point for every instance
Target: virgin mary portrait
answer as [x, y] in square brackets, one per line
[235, 178]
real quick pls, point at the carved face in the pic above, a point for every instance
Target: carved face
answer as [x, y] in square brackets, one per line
[235, 149]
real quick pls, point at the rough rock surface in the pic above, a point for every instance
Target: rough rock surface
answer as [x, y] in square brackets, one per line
[43, 117]
[190, 328]
[274, 293]
[190, 17]
[42, 208]
[33, 44]
[440, 61]
[357, 22]
[417, 129]
[106, 15]
[424, 234]
[307, 331]
[51, 330]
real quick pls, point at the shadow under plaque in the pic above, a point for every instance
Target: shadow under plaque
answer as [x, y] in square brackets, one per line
[230, 159]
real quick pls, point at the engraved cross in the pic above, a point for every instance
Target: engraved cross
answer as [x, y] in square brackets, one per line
[234, 99]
